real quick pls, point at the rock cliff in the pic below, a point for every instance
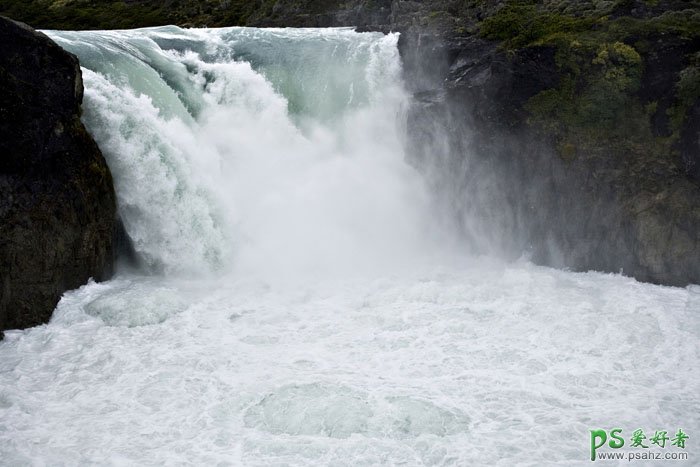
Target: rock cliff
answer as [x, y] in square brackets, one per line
[568, 133]
[57, 202]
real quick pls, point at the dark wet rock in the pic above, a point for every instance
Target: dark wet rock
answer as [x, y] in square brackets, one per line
[585, 198]
[57, 202]
[689, 144]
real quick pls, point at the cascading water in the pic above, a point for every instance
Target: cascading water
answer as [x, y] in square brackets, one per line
[300, 304]
[270, 150]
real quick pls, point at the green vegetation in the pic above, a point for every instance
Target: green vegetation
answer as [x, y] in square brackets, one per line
[687, 92]
[611, 79]
[519, 25]
[522, 23]
[595, 107]
[600, 54]
[96, 14]
[47, 14]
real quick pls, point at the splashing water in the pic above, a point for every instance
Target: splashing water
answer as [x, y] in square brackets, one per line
[301, 305]
[269, 152]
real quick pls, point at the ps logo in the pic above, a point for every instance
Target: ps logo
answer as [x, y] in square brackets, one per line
[599, 437]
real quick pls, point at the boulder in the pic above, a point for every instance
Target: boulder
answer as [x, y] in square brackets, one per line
[57, 201]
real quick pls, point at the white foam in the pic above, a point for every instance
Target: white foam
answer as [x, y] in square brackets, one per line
[460, 367]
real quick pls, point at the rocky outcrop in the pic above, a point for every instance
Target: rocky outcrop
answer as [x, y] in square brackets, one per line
[583, 159]
[57, 202]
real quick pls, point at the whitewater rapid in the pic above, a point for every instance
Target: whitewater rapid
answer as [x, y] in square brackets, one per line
[267, 152]
[299, 301]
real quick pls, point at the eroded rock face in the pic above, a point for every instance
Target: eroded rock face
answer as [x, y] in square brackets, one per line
[57, 202]
[619, 206]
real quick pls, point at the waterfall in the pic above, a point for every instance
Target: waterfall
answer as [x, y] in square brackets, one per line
[274, 151]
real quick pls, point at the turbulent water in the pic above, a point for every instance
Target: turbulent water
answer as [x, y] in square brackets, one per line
[298, 302]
